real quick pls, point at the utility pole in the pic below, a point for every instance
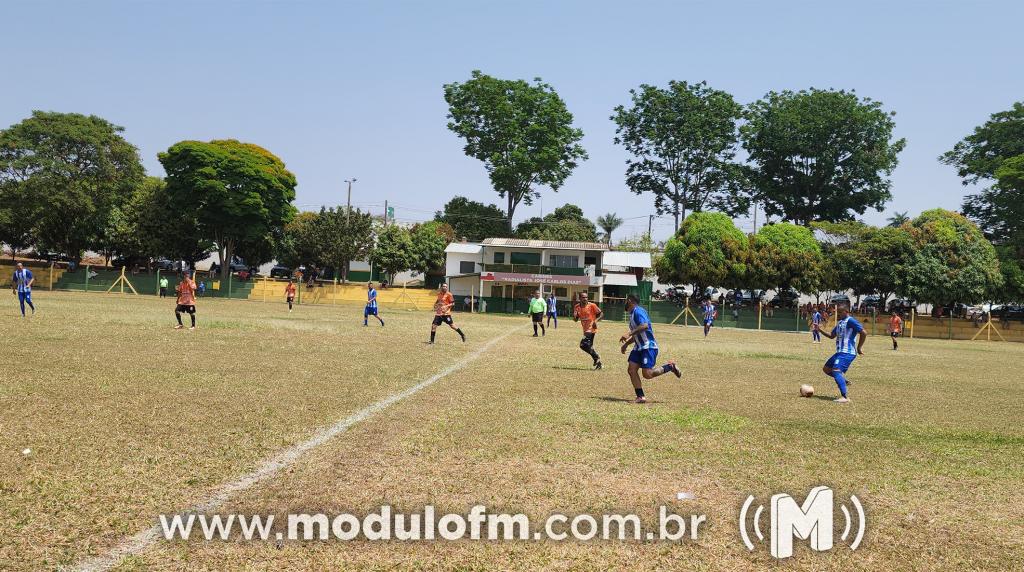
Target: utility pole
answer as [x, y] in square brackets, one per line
[385, 212]
[650, 220]
[348, 204]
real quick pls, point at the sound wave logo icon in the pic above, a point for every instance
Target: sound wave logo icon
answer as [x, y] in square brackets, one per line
[813, 521]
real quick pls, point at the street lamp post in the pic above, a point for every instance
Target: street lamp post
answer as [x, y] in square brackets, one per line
[348, 204]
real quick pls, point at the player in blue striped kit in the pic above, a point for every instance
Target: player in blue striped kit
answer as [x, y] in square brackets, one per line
[645, 349]
[709, 315]
[371, 305]
[847, 328]
[21, 285]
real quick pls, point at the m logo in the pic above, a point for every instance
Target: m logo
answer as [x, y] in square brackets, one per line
[813, 521]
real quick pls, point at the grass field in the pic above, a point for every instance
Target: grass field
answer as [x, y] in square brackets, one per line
[127, 419]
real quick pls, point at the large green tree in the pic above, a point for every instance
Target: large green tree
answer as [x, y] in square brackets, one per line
[785, 255]
[298, 245]
[473, 220]
[866, 259]
[521, 131]
[564, 223]
[394, 251]
[65, 172]
[707, 251]
[341, 236]
[953, 261]
[428, 243]
[820, 155]
[240, 193]
[683, 144]
[980, 154]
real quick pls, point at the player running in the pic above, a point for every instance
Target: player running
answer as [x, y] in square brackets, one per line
[21, 285]
[710, 313]
[371, 305]
[186, 290]
[588, 315]
[552, 309]
[895, 328]
[289, 293]
[645, 350]
[847, 328]
[537, 308]
[816, 320]
[443, 313]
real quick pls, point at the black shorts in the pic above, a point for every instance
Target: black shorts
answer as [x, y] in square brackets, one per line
[538, 317]
[438, 320]
[895, 334]
[188, 308]
[588, 340]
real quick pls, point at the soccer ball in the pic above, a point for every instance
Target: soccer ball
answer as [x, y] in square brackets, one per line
[806, 390]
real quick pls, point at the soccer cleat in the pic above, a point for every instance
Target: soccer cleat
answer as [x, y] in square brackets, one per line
[179, 327]
[671, 366]
[535, 335]
[192, 328]
[597, 365]
[640, 400]
[841, 400]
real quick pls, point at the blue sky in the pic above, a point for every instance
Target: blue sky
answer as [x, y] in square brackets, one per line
[353, 89]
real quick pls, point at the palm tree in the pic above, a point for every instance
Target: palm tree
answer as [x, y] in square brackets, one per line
[608, 224]
[897, 219]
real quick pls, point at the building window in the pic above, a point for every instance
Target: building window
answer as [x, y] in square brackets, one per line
[499, 258]
[526, 258]
[467, 267]
[564, 261]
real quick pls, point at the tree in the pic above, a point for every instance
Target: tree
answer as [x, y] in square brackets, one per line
[820, 155]
[898, 219]
[608, 224]
[341, 236]
[953, 261]
[999, 209]
[642, 243]
[522, 132]
[564, 223]
[17, 217]
[979, 155]
[65, 172]
[473, 220]
[240, 192]
[683, 143]
[298, 245]
[866, 259]
[428, 243]
[394, 251]
[707, 251]
[785, 255]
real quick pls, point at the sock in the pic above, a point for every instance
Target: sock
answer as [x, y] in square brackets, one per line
[666, 368]
[894, 344]
[639, 391]
[542, 330]
[535, 329]
[840, 381]
[594, 355]
[30, 305]
[381, 320]
[459, 331]
[193, 316]
[178, 316]
[432, 334]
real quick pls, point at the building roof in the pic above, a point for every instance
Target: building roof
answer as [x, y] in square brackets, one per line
[545, 244]
[464, 247]
[616, 279]
[633, 259]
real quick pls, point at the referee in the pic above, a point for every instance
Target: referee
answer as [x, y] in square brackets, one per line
[537, 308]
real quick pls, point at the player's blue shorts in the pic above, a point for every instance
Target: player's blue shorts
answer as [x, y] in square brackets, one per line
[645, 358]
[369, 311]
[25, 296]
[840, 361]
[709, 321]
[552, 312]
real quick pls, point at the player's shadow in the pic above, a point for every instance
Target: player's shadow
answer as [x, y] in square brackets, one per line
[822, 397]
[576, 368]
[621, 399]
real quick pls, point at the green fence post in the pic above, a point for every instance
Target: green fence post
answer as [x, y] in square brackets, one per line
[229, 282]
[157, 282]
[87, 277]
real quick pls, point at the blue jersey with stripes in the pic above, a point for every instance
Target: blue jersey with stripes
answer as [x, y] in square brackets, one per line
[371, 298]
[22, 278]
[552, 306]
[643, 340]
[846, 331]
[816, 318]
[709, 311]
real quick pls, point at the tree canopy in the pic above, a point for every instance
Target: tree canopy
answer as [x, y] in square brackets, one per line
[608, 223]
[522, 132]
[785, 255]
[240, 192]
[66, 173]
[683, 144]
[394, 251]
[707, 251]
[473, 220]
[980, 154]
[820, 155]
[564, 223]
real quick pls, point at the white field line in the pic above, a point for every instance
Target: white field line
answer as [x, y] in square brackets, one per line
[146, 538]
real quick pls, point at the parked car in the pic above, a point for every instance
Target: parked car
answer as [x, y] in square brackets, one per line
[785, 299]
[238, 267]
[280, 272]
[839, 299]
[164, 264]
[900, 305]
[871, 302]
[1010, 312]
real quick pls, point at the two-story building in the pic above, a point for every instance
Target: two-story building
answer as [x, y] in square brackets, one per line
[501, 271]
